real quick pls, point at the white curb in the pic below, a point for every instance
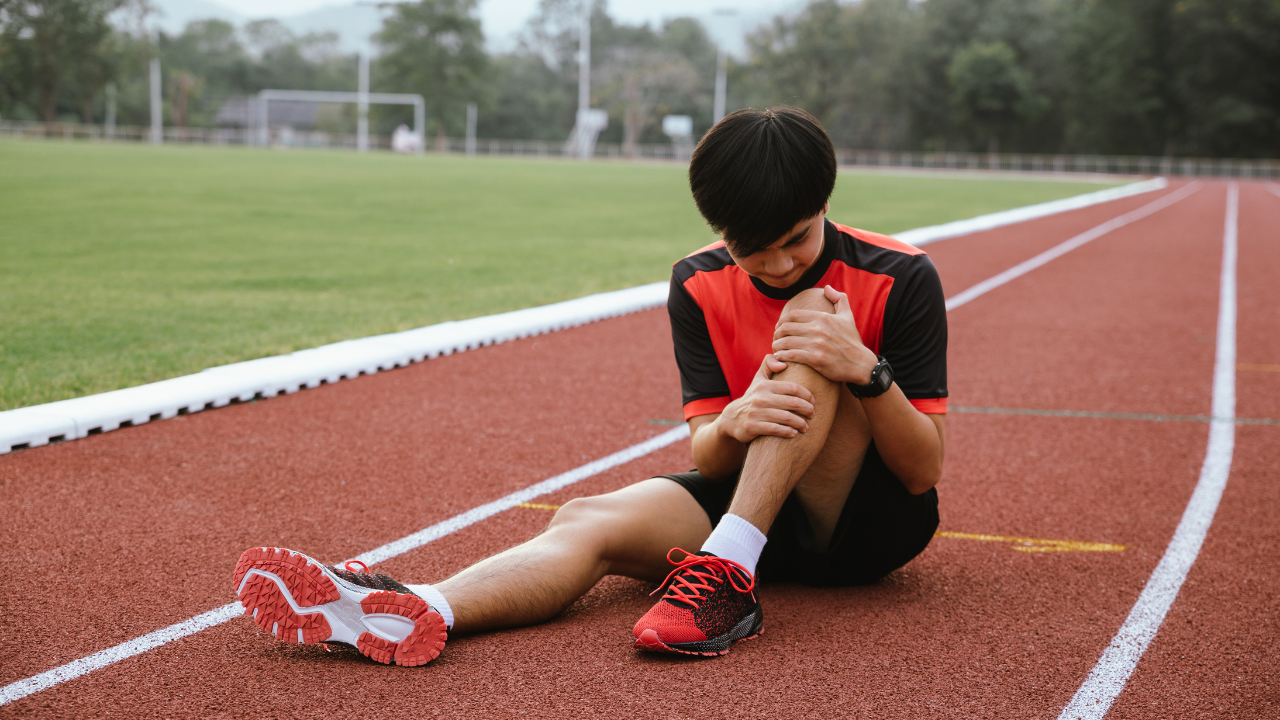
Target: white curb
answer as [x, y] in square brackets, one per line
[933, 233]
[271, 376]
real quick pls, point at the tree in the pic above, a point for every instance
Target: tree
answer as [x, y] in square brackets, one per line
[680, 52]
[1032, 29]
[1176, 77]
[436, 47]
[990, 92]
[844, 63]
[635, 79]
[58, 45]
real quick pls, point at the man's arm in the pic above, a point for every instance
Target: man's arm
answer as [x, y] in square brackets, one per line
[769, 407]
[911, 443]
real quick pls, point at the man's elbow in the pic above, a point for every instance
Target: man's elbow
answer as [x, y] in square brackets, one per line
[923, 481]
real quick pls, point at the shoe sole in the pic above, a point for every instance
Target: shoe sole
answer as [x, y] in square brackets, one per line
[749, 628]
[296, 599]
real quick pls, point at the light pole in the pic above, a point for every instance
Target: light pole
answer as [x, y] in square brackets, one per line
[722, 68]
[589, 123]
[471, 129]
[362, 105]
[110, 127]
[157, 111]
[717, 111]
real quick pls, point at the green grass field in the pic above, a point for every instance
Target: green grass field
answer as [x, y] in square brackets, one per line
[125, 264]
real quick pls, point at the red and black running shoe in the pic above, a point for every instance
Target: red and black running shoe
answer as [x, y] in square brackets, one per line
[298, 599]
[710, 603]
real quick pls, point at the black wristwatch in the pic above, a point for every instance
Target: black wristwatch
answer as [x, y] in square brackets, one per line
[881, 381]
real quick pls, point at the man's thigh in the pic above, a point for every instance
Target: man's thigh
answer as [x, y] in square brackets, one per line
[825, 487]
[642, 522]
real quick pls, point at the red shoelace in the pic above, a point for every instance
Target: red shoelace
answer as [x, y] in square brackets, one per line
[689, 580]
[363, 568]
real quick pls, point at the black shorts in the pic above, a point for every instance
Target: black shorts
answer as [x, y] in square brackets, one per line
[881, 528]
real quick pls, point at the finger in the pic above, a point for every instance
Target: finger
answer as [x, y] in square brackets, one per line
[762, 429]
[780, 417]
[840, 299]
[793, 342]
[778, 387]
[797, 329]
[773, 365]
[792, 404]
[800, 315]
[768, 400]
[802, 357]
[764, 371]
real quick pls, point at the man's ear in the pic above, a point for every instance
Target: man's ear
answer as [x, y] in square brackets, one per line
[826, 207]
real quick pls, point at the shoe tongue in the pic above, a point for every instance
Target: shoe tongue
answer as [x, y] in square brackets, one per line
[704, 568]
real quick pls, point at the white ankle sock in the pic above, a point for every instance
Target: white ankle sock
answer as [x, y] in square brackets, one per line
[435, 600]
[737, 540]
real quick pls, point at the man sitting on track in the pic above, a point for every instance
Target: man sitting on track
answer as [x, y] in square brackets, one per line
[812, 360]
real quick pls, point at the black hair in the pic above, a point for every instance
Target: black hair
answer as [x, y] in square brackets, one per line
[757, 173]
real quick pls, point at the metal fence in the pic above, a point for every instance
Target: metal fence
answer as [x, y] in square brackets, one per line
[1006, 162]
[1109, 164]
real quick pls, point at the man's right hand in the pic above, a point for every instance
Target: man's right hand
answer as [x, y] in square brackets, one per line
[769, 407]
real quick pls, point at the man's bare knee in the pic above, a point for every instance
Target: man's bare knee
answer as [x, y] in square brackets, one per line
[583, 513]
[811, 299]
[825, 392]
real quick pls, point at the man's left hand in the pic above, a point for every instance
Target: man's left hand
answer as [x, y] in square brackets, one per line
[827, 342]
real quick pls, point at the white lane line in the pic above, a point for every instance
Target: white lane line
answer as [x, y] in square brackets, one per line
[75, 669]
[981, 223]
[45, 680]
[1119, 660]
[1057, 251]
[1273, 187]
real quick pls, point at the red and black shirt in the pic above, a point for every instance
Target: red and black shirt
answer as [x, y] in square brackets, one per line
[722, 319]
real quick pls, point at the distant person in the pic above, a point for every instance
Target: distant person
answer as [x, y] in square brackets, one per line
[812, 361]
[404, 140]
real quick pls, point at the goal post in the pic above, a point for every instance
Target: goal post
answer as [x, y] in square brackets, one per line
[265, 97]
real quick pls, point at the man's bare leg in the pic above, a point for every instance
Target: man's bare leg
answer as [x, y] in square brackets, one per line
[819, 465]
[627, 532]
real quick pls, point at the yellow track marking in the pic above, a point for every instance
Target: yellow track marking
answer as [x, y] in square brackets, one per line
[1260, 368]
[1022, 544]
[538, 506]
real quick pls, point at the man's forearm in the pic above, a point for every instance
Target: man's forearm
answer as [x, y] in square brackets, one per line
[909, 442]
[716, 455]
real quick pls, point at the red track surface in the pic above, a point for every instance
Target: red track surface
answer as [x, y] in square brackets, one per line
[111, 537]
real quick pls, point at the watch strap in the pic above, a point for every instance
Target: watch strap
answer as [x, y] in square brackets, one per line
[880, 382]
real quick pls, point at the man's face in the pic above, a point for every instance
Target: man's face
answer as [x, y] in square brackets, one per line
[781, 264]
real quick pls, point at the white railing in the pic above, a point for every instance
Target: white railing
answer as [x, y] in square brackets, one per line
[1007, 162]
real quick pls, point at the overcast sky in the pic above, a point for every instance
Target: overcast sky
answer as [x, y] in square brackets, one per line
[503, 18]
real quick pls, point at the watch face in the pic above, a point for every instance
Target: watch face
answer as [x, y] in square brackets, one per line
[882, 377]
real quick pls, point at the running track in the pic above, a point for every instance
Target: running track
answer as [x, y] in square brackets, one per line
[118, 535]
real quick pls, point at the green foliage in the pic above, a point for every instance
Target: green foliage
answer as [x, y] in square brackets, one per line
[1176, 77]
[436, 48]
[57, 50]
[1185, 77]
[159, 262]
[846, 63]
[639, 73]
[990, 91]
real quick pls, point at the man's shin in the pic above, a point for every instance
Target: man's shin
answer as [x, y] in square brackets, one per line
[773, 464]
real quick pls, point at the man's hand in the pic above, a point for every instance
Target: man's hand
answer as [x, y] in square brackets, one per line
[827, 342]
[769, 407]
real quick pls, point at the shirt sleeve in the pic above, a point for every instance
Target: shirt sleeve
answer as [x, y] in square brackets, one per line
[702, 381]
[915, 336]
